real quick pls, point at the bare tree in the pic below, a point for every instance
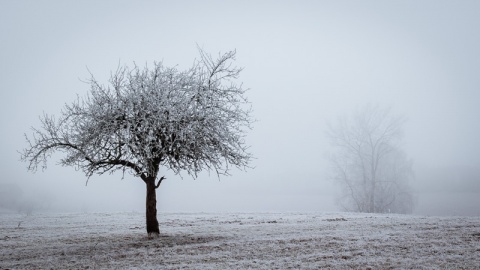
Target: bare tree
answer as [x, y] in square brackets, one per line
[369, 164]
[147, 119]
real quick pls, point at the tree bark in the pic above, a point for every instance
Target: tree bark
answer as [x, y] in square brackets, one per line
[151, 213]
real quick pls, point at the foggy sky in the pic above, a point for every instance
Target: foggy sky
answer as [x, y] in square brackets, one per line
[306, 63]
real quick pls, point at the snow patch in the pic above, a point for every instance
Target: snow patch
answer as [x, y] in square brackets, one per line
[239, 241]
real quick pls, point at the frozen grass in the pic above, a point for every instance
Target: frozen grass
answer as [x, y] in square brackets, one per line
[239, 241]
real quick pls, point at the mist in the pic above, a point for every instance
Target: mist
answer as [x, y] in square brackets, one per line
[306, 63]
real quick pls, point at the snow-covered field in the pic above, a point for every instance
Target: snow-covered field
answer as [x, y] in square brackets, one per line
[239, 241]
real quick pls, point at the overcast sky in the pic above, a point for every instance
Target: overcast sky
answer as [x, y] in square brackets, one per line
[306, 62]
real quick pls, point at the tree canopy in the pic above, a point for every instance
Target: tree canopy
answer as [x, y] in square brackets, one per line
[146, 118]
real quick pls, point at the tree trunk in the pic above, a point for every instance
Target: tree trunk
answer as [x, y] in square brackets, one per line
[372, 197]
[151, 213]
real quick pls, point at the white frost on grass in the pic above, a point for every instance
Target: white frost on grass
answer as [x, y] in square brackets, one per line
[239, 241]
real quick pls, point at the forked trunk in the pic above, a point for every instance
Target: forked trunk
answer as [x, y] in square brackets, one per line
[151, 213]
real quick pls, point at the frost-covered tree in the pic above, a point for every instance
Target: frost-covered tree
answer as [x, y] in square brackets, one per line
[146, 120]
[369, 164]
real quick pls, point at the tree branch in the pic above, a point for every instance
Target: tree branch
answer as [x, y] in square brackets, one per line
[160, 181]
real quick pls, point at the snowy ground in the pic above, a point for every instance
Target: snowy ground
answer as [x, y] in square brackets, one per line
[239, 241]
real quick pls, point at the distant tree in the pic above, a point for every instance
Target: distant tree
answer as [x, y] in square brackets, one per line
[148, 119]
[368, 163]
